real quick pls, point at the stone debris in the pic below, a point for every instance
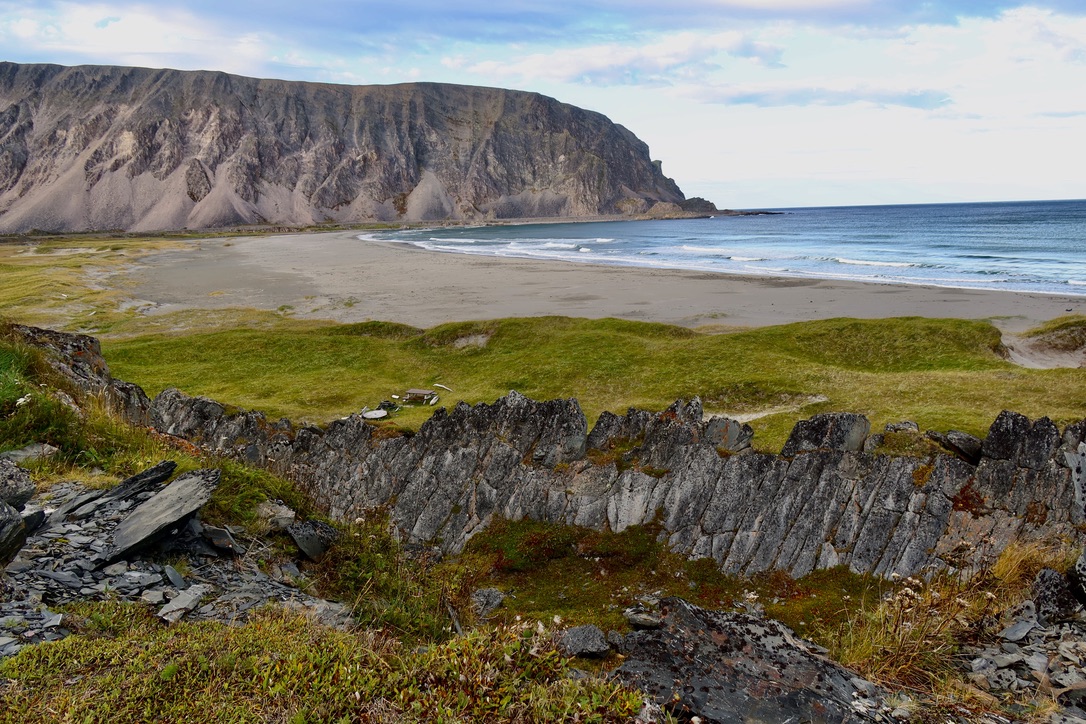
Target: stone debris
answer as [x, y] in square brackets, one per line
[1028, 657]
[71, 558]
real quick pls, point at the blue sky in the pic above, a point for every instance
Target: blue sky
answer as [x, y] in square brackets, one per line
[750, 103]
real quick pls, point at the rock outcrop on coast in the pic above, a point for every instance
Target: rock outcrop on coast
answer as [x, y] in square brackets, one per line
[822, 502]
[115, 148]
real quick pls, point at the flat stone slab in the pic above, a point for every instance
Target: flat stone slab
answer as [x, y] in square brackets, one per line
[174, 503]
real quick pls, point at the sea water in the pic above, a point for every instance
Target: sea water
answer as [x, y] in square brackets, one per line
[1035, 246]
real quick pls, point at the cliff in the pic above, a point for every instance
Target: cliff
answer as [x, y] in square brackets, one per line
[822, 502]
[107, 148]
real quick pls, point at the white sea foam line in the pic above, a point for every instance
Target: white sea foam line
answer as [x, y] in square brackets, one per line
[1075, 282]
[862, 262]
[747, 258]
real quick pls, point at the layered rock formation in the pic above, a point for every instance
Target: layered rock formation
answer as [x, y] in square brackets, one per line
[100, 147]
[822, 503]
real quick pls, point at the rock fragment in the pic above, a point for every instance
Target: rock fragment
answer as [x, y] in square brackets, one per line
[185, 601]
[173, 504]
[16, 487]
[12, 533]
[313, 538]
[588, 641]
[486, 601]
[844, 431]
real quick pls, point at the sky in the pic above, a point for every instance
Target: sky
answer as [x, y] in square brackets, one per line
[749, 103]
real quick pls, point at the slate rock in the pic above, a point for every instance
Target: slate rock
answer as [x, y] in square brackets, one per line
[277, 515]
[34, 451]
[486, 601]
[173, 504]
[966, 445]
[728, 434]
[1027, 444]
[903, 426]
[1051, 593]
[15, 485]
[176, 579]
[730, 667]
[223, 539]
[313, 537]
[12, 533]
[185, 602]
[143, 481]
[640, 617]
[845, 431]
[587, 641]
[1076, 578]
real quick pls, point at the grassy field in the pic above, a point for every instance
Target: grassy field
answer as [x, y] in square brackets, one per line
[944, 374]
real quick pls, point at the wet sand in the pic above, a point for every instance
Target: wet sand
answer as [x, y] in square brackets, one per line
[335, 275]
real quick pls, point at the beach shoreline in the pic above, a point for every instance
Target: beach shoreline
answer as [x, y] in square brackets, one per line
[336, 276]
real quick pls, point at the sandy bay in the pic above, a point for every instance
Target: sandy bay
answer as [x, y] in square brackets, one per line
[334, 275]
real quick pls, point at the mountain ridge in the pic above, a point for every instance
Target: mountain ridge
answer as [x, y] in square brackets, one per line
[107, 147]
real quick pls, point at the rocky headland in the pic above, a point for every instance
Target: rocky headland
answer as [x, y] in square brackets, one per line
[115, 148]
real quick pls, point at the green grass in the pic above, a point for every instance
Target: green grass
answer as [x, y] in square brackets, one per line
[941, 373]
[126, 666]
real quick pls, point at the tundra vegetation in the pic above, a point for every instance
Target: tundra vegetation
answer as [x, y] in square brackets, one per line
[405, 657]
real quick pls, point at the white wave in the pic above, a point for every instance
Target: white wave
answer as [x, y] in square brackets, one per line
[1075, 282]
[862, 262]
[584, 250]
[747, 258]
[447, 240]
[705, 250]
[603, 240]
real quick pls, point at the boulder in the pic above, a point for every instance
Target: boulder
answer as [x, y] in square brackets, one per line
[33, 451]
[728, 434]
[313, 538]
[588, 641]
[277, 515]
[845, 431]
[1052, 596]
[1027, 444]
[731, 667]
[965, 446]
[12, 533]
[165, 510]
[16, 487]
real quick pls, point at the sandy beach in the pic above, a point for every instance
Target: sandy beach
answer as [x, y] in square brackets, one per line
[335, 275]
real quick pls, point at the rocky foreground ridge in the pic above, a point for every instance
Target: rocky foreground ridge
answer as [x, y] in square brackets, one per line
[108, 148]
[822, 502]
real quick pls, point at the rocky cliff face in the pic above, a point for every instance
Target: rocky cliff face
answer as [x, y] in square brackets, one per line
[105, 147]
[823, 502]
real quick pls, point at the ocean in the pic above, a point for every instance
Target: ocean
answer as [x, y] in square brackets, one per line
[1028, 246]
